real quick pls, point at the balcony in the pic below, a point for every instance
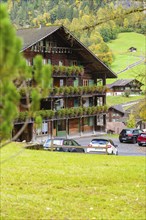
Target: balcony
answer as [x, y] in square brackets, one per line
[45, 49]
[67, 71]
[70, 91]
[66, 113]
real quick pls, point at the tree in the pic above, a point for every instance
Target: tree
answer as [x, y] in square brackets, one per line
[10, 58]
[141, 76]
[131, 123]
[14, 76]
[142, 110]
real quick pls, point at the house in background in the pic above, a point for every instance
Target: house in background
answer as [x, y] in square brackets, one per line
[132, 49]
[114, 118]
[121, 86]
[115, 113]
[75, 103]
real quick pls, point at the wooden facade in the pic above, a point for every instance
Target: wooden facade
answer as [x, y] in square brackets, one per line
[119, 87]
[115, 113]
[78, 92]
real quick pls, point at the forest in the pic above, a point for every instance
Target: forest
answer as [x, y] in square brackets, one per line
[94, 22]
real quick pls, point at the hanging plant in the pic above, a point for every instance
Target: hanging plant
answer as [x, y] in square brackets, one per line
[56, 90]
[66, 90]
[71, 88]
[50, 114]
[61, 90]
[76, 90]
[55, 69]
[71, 112]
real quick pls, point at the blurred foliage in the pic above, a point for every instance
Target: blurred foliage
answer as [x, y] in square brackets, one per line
[105, 18]
[15, 76]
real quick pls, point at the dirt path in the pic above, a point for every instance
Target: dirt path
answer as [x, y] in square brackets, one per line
[132, 65]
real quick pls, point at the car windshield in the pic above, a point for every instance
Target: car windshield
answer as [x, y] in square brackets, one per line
[74, 143]
[57, 142]
[100, 141]
[143, 135]
[128, 131]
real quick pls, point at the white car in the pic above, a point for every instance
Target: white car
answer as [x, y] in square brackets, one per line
[103, 146]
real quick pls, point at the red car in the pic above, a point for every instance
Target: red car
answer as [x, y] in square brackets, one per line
[141, 140]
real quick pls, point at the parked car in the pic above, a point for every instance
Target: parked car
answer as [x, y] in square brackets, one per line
[103, 146]
[129, 135]
[58, 145]
[141, 140]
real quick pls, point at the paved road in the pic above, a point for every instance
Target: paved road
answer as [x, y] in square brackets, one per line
[126, 149]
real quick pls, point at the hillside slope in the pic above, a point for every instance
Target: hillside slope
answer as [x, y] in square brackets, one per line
[124, 58]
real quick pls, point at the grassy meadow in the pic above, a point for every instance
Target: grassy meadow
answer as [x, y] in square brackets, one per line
[113, 100]
[123, 57]
[40, 185]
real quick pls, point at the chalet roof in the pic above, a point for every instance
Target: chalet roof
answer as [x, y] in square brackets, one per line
[122, 82]
[118, 108]
[31, 36]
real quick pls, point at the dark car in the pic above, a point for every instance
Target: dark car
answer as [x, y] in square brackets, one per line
[60, 144]
[141, 140]
[129, 135]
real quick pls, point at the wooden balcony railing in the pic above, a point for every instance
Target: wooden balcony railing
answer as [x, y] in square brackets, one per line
[65, 113]
[70, 90]
[67, 71]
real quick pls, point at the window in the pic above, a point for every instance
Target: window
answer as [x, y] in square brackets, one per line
[100, 120]
[28, 62]
[49, 61]
[60, 63]
[91, 121]
[43, 129]
[44, 61]
[91, 82]
[74, 62]
[99, 101]
[76, 82]
[61, 125]
[85, 82]
[61, 82]
[76, 102]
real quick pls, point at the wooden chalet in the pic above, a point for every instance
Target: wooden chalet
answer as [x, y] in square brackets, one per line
[114, 119]
[120, 86]
[77, 100]
[115, 113]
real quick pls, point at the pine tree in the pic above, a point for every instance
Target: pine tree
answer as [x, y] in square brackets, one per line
[14, 74]
[10, 60]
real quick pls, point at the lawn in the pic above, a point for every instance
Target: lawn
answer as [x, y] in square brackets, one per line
[127, 40]
[65, 186]
[115, 100]
[123, 58]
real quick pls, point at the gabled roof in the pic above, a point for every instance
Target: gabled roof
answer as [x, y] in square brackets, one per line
[122, 82]
[118, 108]
[33, 35]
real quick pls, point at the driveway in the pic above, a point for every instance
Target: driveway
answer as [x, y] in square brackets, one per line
[125, 149]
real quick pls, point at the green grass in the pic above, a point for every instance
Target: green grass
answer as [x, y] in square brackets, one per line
[127, 40]
[123, 58]
[59, 186]
[115, 100]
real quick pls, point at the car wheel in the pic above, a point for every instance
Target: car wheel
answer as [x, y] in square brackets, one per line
[134, 140]
[139, 144]
[121, 141]
[73, 150]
